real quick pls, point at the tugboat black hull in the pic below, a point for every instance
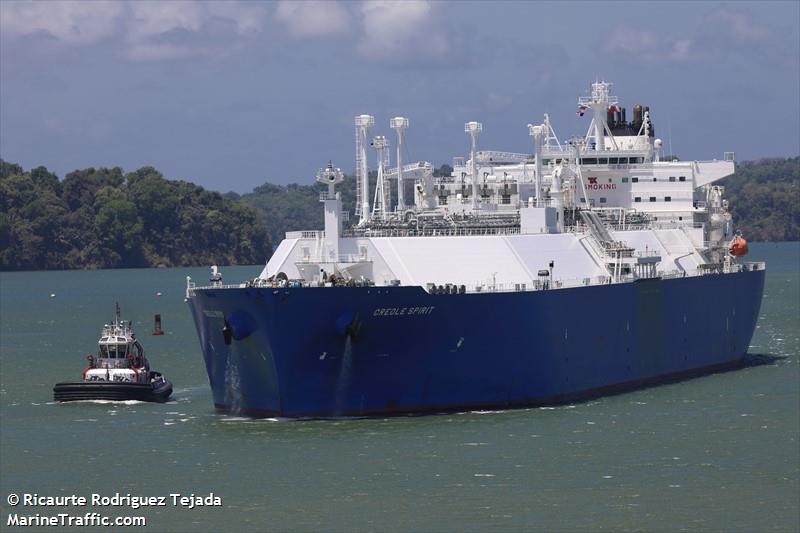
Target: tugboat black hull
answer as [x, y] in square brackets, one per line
[108, 390]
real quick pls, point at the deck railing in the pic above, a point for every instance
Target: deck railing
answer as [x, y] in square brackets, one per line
[486, 286]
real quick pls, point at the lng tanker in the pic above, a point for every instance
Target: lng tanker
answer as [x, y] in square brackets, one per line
[582, 268]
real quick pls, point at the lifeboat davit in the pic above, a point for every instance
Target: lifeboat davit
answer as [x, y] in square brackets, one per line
[738, 246]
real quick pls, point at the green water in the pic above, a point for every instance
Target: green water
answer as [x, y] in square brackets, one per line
[717, 453]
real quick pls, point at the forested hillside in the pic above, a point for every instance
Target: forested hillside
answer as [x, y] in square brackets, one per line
[103, 218]
[765, 199]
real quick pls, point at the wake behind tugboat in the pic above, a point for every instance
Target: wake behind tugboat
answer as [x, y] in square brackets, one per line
[119, 372]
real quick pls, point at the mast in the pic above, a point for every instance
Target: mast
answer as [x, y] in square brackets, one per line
[399, 124]
[363, 123]
[537, 132]
[599, 101]
[332, 201]
[473, 128]
[380, 206]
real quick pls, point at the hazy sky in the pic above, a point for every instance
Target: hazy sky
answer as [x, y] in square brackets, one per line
[232, 94]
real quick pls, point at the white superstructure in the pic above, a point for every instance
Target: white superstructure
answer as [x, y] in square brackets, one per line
[602, 208]
[120, 357]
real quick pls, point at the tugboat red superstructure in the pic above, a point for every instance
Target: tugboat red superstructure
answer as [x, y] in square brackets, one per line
[119, 372]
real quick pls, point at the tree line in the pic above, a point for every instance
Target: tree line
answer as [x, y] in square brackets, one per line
[105, 218]
[764, 196]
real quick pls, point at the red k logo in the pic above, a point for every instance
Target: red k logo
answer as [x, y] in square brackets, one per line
[593, 180]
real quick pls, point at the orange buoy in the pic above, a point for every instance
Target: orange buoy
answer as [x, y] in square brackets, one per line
[738, 246]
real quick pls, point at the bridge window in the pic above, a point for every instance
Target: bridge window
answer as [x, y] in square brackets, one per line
[602, 200]
[668, 198]
[637, 199]
[635, 180]
[652, 198]
[590, 161]
[113, 351]
[682, 178]
[603, 160]
[672, 178]
[624, 180]
[613, 160]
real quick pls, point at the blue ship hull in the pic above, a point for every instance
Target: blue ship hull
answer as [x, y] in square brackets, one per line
[339, 351]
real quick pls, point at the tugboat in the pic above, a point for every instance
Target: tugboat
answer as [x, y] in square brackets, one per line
[119, 372]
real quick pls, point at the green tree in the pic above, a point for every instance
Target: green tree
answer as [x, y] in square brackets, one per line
[103, 218]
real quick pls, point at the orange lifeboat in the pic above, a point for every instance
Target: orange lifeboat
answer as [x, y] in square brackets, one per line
[738, 246]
